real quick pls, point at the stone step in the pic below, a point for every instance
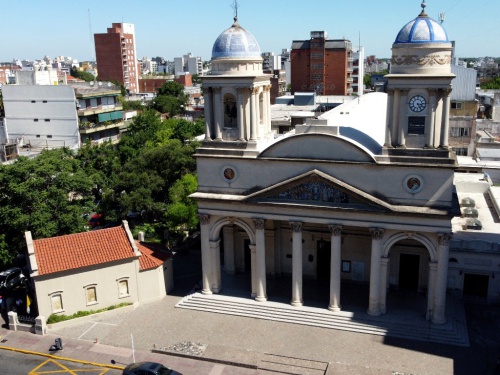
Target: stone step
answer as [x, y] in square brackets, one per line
[454, 332]
[289, 365]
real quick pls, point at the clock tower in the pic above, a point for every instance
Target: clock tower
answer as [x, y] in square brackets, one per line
[419, 87]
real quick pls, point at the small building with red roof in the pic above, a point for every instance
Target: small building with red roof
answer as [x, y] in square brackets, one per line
[96, 269]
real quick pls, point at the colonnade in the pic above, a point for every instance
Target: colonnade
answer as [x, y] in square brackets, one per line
[436, 128]
[438, 268]
[252, 111]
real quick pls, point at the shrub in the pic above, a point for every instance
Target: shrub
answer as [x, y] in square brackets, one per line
[56, 318]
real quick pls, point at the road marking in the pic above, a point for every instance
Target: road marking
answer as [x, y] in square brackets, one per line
[93, 325]
[49, 363]
[217, 369]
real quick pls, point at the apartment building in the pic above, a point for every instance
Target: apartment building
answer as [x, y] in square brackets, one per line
[116, 56]
[322, 65]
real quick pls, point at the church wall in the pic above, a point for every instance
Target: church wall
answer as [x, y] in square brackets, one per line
[357, 250]
[384, 182]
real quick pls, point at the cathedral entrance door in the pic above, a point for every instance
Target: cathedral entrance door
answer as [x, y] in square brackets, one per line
[409, 271]
[324, 253]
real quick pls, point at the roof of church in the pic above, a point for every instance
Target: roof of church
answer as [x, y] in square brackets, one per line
[422, 29]
[236, 42]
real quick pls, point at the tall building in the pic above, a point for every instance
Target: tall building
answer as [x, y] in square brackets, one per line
[188, 64]
[116, 56]
[322, 65]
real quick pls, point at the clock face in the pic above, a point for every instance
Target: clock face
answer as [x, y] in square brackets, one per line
[417, 103]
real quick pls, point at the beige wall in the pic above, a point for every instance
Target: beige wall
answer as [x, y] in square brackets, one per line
[72, 286]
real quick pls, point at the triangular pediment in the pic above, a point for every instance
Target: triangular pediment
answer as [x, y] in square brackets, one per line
[316, 188]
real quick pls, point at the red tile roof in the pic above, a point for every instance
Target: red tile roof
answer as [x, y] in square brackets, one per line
[153, 255]
[79, 250]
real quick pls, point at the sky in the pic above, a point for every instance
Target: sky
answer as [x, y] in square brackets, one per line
[32, 29]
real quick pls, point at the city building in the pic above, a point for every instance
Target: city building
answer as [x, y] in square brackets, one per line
[96, 269]
[116, 56]
[188, 64]
[368, 201]
[100, 114]
[39, 117]
[322, 65]
[358, 71]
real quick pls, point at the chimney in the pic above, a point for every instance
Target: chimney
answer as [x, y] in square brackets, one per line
[141, 237]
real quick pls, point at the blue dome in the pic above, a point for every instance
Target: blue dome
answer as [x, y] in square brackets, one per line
[422, 30]
[236, 42]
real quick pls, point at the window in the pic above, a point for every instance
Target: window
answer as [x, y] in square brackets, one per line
[230, 111]
[123, 288]
[91, 295]
[457, 105]
[416, 125]
[44, 101]
[460, 151]
[33, 101]
[47, 120]
[35, 119]
[49, 136]
[460, 132]
[56, 302]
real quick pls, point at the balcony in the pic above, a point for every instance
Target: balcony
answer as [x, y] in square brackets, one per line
[349, 80]
[89, 111]
[91, 127]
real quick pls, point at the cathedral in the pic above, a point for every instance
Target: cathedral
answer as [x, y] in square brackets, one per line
[328, 200]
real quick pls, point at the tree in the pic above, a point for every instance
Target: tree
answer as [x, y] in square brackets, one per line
[171, 88]
[86, 76]
[48, 196]
[182, 211]
[492, 84]
[168, 104]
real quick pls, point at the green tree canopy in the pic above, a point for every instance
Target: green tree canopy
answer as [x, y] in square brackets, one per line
[86, 76]
[48, 196]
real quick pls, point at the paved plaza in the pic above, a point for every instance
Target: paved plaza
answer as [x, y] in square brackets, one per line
[263, 343]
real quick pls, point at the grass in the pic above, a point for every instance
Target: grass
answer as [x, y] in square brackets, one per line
[56, 318]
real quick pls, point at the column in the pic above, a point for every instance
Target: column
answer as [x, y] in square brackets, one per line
[254, 121]
[430, 129]
[240, 103]
[297, 263]
[205, 252]
[445, 127]
[218, 113]
[395, 118]
[383, 284]
[335, 260]
[389, 120]
[208, 113]
[402, 119]
[215, 260]
[267, 106]
[260, 249]
[375, 268]
[438, 313]
[229, 263]
[253, 266]
[431, 288]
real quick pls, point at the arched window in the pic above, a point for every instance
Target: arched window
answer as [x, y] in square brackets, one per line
[230, 111]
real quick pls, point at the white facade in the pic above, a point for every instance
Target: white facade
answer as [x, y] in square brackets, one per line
[41, 116]
[341, 197]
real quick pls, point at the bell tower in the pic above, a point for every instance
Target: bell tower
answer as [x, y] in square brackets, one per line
[237, 95]
[419, 87]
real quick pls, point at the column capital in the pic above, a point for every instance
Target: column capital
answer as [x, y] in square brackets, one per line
[204, 219]
[259, 223]
[444, 239]
[252, 249]
[432, 92]
[255, 89]
[390, 91]
[296, 226]
[404, 92]
[242, 90]
[335, 229]
[267, 88]
[447, 92]
[216, 90]
[377, 233]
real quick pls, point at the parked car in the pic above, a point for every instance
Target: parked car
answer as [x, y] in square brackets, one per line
[96, 220]
[148, 368]
[12, 279]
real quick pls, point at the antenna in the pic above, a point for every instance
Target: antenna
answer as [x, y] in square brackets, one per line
[441, 17]
[234, 5]
[92, 50]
